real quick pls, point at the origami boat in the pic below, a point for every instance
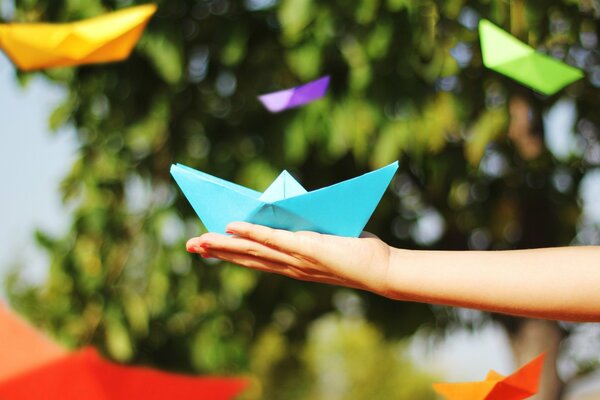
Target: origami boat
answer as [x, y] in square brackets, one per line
[521, 384]
[106, 38]
[342, 209]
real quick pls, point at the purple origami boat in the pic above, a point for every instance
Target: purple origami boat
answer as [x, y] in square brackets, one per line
[296, 96]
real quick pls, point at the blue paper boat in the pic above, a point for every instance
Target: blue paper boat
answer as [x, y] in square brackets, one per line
[342, 209]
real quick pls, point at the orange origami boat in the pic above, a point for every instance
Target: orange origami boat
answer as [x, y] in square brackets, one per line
[520, 385]
[105, 38]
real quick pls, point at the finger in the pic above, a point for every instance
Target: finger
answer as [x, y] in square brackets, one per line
[203, 246]
[257, 250]
[247, 261]
[275, 238]
[236, 244]
[255, 263]
[259, 264]
[365, 234]
[300, 245]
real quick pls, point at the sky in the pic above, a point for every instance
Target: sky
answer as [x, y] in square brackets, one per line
[32, 163]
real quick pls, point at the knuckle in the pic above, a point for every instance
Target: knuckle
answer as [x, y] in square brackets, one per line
[304, 258]
[308, 252]
[253, 252]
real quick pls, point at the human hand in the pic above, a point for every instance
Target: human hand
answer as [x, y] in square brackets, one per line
[353, 262]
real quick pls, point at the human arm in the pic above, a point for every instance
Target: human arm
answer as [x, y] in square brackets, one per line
[554, 283]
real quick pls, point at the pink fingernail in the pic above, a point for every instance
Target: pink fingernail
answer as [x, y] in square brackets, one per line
[232, 226]
[193, 249]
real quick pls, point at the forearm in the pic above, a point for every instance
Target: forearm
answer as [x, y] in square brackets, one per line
[554, 283]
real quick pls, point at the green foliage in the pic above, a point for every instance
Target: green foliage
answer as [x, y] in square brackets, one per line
[349, 359]
[343, 357]
[407, 83]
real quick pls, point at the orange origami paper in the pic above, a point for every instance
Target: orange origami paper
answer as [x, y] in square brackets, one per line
[33, 367]
[86, 375]
[106, 38]
[22, 347]
[520, 385]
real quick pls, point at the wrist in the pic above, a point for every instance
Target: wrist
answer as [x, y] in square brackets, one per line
[391, 286]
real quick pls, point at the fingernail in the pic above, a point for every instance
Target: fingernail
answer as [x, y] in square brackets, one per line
[204, 245]
[231, 227]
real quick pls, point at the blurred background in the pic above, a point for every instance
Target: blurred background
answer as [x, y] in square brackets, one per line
[93, 228]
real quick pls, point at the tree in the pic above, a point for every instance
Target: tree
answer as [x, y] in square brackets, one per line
[407, 83]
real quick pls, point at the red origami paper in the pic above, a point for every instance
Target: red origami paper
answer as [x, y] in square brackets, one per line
[86, 375]
[520, 385]
[33, 367]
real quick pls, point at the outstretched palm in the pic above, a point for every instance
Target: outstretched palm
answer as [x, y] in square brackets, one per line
[353, 262]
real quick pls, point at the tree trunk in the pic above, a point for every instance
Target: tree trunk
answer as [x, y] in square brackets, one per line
[532, 337]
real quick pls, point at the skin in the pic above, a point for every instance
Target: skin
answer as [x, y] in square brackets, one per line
[553, 283]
